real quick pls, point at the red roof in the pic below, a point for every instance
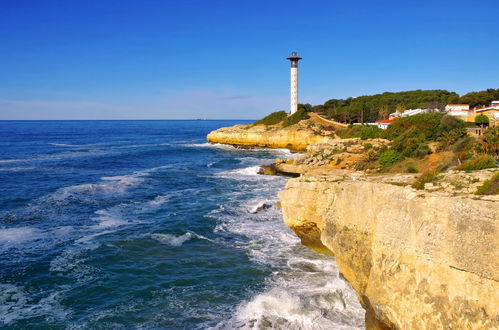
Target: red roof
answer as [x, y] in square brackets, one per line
[385, 121]
[484, 108]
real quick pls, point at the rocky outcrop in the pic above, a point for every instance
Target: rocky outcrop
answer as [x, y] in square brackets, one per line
[295, 137]
[417, 259]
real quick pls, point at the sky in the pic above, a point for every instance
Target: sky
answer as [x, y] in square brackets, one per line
[214, 59]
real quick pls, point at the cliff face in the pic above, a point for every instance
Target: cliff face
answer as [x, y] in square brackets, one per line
[417, 260]
[296, 137]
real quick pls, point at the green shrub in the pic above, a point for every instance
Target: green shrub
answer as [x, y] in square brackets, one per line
[489, 187]
[372, 155]
[367, 146]
[360, 131]
[478, 163]
[481, 120]
[295, 118]
[412, 169]
[273, 118]
[463, 144]
[425, 177]
[421, 151]
[424, 126]
[390, 157]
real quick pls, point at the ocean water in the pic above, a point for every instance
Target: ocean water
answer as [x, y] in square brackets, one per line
[142, 224]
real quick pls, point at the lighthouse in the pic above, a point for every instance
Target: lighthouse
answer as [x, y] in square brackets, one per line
[294, 58]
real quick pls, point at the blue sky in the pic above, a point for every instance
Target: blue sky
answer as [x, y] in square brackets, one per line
[226, 59]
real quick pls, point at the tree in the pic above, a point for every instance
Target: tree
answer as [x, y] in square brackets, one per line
[400, 108]
[384, 112]
[482, 120]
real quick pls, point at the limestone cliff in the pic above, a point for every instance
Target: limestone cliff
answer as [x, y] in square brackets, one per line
[295, 137]
[417, 259]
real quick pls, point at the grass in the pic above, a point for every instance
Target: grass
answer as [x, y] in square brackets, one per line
[273, 118]
[489, 187]
[424, 178]
[295, 118]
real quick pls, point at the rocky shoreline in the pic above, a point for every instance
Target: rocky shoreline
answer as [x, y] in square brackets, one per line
[418, 259]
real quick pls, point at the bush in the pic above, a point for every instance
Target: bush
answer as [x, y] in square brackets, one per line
[489, 187]
[478, 163]
[273, 118]
[421, 151]
[390, 157]
[463, 144]
[425, 177]
[295, 118]
[360, 131]
[481, 120]
[367, 146]
[424, 126]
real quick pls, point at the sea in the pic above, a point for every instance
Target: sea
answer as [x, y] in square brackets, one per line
[145, 225]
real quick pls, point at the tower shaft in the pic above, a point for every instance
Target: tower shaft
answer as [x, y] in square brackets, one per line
[294, 58]
[294, 89]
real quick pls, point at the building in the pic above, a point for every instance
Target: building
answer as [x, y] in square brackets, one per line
[491, 112]
[469, 115]
[410, 112]
[457, 107]
[466, 115]
[294, 58]
[383, 124]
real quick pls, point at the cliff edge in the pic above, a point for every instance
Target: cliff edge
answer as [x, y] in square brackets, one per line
[417, 259]
[295, 137]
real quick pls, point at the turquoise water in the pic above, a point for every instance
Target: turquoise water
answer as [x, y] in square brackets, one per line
[142, 224]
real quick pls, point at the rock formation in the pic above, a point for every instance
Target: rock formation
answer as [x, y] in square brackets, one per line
[295, 137]
[417, 259]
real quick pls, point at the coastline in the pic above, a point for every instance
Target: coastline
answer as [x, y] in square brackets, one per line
[415, 258]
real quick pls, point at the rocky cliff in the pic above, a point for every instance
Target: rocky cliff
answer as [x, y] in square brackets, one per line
[417, 259]
[295, 137]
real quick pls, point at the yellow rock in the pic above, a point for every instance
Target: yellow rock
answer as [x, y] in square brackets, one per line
[418, 260]
[295, 137]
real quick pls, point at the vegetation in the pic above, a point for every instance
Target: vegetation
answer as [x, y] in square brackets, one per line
[370, 108]
[273, 118]
[361, 131]
[481, 120]
[478, 163]
[390, 157]
[489, 142]
[489, 187]
[424, 178]
[295, 118]
[482, 98]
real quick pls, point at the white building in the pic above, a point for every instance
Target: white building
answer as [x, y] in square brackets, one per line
[457, 107]
[410, 112]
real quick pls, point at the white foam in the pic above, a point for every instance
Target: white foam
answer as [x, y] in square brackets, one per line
[109, 219]
[212, 145]
[111, 185]
[159, 200]
[172, 240]
[63, 145]
[305, 291]
[18, 235]
[17, 169]
[246, 172]
[16, 304]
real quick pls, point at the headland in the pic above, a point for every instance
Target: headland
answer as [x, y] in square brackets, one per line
[413, 226]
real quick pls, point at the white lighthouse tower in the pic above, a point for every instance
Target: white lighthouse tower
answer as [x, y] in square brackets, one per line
[294, 58]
